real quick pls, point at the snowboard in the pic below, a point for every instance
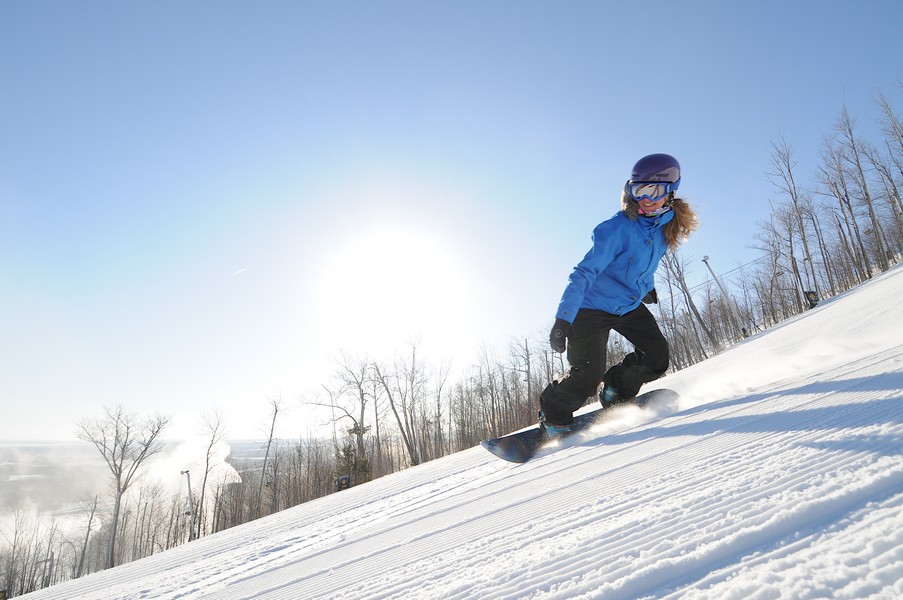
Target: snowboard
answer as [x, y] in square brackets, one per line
[521, 446]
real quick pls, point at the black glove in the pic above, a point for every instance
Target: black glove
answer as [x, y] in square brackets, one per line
[560, 332]
[651, 297]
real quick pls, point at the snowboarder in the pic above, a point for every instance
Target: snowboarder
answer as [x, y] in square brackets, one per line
[607, 290]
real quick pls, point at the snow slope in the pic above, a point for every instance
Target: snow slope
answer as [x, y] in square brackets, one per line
[780, 475]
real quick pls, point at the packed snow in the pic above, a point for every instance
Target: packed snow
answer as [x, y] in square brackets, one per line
[778, 475]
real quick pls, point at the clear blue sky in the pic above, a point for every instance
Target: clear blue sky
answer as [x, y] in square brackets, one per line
[201, 202]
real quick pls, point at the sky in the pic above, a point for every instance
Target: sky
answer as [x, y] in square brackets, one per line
[777, 474]
[203, 204]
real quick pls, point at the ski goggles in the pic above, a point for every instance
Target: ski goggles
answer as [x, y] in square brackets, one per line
[651, 190]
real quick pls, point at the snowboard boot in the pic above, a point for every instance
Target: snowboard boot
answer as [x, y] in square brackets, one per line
[609, 396]
[552, 430]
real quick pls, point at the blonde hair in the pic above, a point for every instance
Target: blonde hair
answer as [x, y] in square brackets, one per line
[678, 229]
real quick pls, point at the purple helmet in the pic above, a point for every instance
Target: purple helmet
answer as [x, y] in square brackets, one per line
[657, 167]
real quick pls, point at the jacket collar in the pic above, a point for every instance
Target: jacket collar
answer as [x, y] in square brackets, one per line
[656, 222]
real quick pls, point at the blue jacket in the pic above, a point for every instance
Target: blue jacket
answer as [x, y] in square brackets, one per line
[619, 270]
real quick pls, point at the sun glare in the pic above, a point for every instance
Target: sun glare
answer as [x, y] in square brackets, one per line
[392, 285]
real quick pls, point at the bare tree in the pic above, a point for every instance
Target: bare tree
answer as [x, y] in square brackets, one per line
[376, 395]
[855, 148]
[354, 376]
[783, 162]
[834, 177]
[213, 423]
[397, 395]
[91, 510]
[125, 443]
[350, 402]
[676, 267]
[277, 405]
[893, 131]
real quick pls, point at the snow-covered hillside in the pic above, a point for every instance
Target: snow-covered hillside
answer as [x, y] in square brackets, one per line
[780, 475]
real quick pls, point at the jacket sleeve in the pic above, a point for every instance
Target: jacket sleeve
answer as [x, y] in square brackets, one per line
[587, 270]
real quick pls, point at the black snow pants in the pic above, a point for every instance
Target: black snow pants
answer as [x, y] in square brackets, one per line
[586, 352]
